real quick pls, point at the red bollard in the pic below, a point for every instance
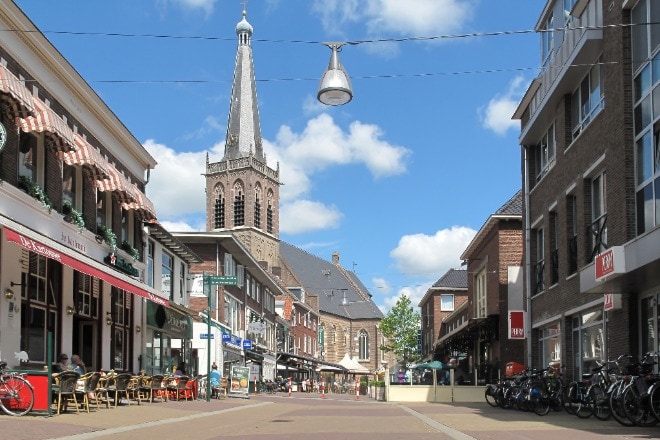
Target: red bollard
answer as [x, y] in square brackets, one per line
[255, 385]
[323, 388]
[289, 387]
[357, 389]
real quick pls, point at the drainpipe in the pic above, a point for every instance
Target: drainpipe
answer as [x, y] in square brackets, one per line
[528, 259]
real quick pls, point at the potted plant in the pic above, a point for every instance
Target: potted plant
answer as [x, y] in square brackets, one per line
[106, 234]
[379, 386]
[72, 215]
[130, 250]
[34, 190]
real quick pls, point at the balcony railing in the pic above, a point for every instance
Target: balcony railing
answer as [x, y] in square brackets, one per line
[539, 284]
[597, 233]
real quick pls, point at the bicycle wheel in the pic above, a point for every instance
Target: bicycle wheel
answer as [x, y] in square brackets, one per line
[638, 409]
[491, 395]
[654, 393]
[16, 396]
[539, 400]
[583, 409]
[566, 402]
[600, 405]
[616, 406]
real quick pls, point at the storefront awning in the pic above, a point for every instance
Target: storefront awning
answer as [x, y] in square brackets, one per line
[142, 205]
[59, 136]
[43, 246]
[119, 185]
[176, 320]
[88, 157]
[15, 95]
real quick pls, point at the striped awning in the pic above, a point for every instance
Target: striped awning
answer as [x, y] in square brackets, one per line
[116, 182]
[14, 95]
[88, 157]
[58, 134]
[142, 205]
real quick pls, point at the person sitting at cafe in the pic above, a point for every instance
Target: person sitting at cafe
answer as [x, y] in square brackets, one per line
[78, 365]
[62, 363]
[180, 370]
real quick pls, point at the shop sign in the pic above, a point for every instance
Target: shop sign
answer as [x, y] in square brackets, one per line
[240, 380]
[610, 262]
[611, 301]
[122, 265]
[516, 324]
[247, 344]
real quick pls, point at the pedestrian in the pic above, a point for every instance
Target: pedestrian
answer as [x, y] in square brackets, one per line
[78, 365]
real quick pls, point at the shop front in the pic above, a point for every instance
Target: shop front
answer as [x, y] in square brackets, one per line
[168, 341]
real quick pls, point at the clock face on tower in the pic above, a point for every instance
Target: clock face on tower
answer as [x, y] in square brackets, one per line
[3, 136]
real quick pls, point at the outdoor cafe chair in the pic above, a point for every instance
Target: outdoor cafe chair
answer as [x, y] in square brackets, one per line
[189, 390]
[65, 389]
[120, 387]
[176, 387]
[154, 388]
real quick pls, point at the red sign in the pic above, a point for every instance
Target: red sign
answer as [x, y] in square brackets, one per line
[516, 324]
[610, 262]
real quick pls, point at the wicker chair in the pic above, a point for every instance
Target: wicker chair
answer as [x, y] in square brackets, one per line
[177, 387]
[121, 387]
[65, 389]
[154, 388]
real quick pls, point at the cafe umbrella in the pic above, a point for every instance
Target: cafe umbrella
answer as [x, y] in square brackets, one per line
[433, 366]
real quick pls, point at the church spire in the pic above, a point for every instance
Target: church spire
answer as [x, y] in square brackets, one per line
[243, 129]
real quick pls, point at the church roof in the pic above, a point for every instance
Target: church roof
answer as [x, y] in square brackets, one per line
[330, 283]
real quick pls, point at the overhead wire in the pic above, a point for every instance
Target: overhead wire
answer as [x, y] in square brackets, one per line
[350, 42]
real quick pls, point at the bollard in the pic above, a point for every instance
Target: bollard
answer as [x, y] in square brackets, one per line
[322, 388]
[289, 387]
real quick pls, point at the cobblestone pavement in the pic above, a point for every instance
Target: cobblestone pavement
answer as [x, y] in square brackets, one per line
[279, 416]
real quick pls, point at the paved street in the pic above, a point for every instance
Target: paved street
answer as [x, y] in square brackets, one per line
[336, 417]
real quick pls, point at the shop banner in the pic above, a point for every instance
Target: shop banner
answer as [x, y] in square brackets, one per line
[240, 381]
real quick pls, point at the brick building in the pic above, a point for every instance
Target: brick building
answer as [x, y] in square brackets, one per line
[477, 334]
[590, 128]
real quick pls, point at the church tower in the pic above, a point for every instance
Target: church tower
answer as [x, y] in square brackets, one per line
[242, 192]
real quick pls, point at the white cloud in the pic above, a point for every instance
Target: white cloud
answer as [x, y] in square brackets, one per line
[432, 255]
[323, 144]
[176, 185]
[414, 293]
[411, 18]
[304, 216]
[204, 5]
[381, 286]
[496, 115]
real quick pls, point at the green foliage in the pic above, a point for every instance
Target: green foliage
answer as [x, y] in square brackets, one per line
[400, 327]
[34, 190]
[75, 216]
[130, 250]
[108, 236]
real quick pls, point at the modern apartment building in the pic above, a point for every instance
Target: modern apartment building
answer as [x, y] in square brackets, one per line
[590, 129]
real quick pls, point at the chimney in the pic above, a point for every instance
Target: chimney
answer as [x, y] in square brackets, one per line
[335, 258]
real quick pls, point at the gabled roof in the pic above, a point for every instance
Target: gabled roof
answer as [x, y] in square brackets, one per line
[511, 210]
[330, 283]
[452, 280]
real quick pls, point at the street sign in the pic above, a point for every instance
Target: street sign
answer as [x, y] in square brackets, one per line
[247, 344]
[226, 280]
[206, 336]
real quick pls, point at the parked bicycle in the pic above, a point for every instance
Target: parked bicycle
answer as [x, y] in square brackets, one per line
[16, 393]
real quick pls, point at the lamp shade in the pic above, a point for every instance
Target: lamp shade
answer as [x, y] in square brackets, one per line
[335, 87]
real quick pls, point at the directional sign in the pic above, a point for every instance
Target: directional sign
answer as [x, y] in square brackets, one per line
[206, 335]
[221, 279]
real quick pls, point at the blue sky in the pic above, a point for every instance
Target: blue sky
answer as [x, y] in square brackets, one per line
[398, 181]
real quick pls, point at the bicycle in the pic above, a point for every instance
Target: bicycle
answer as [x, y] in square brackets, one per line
[16, 393]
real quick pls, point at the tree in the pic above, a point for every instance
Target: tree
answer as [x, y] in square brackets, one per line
[400, 328]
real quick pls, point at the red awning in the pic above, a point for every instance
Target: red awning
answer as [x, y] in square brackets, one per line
[41, 249]
[58, 134]
[88, 157]
[143, 206]
[17, 97]
[119, 184]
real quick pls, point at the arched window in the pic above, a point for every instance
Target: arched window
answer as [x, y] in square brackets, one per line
[219, 208]
[363, 344]
[257, 207]
[239, 204]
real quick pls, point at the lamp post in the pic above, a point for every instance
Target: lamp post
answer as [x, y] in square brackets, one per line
[335, 86]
